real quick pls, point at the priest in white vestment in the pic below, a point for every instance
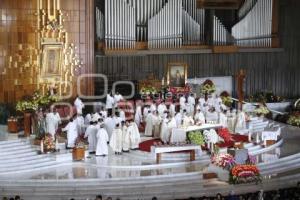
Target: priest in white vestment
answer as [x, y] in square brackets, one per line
[102, 140]
[79, 105]
[117, 98]
[223, 119]
[212, 116]
[153, 107]
[79, 120]
[110, 102]
[52, 122]
[162, 108]
[156, 120]
[172, 109]
[126, 137]
[191, 105]
[90, 134]
[87, 119]
[199, 117]
[182, 103]
[179, 119]
[72, 133]
[149, 124]
[146, 111]
[240, 121]
[138, 117]
[122, 114]
[116, 140]
[135, 137]
[187, 120]
[109, 125]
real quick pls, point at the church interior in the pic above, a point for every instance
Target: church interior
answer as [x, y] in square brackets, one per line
[149, 99]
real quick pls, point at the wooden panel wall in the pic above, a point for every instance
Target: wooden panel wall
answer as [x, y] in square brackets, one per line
[276, 71]
[18, 26]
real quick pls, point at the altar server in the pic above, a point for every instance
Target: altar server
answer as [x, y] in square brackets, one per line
[149, 124]
[125, 137]
[135, 137]
[52, 122]
[116, 140]
[109, 103]
[161, 108]
[72, 133]
[191, 105]
[90, 134]
[138, 117]
[78, 105]
[109, 125]
[199, 117]
[102, 140]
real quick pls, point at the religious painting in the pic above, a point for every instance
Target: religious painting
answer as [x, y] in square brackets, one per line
[177, 74]
[51, 60]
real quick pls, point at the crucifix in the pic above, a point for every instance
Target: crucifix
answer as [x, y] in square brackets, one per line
[240, 87]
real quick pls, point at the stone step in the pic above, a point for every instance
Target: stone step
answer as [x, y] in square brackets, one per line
[26, 162]
[17, 156]
[11, 141]
[23, 168]
[23, 159]
[16, 152]
[13, 145]
[14, 148]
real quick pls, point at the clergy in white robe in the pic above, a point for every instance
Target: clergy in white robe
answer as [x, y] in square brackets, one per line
[156, 120]
[179, 118]
[149, 124]
[172, 109]
[52, 122]
[188, 121]
[240, 121]
[103, 113]
[164, 133]
[87, 119]
[72, 133]
[122, 115]
[79, 105]
[210, 101]
[161, 108]
[223, 119]
[79, 120]
[182, 103]
[135, 137]
[153, 107]
[109, 125]
[146, 111]
[212, 116]
[116, 140]
[117, 98]
[199, 117]
[191, 105]
[110, 102]
[102, 139]
[201, 102]
[138, 117]
[125, 137]
[90, 134]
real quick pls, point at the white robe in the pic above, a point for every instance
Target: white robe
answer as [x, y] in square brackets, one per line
[87, 119]
[52, 122]
[212, 117]
[125, 138]
[138, 117]
[118, 98]
[72, 133]
[188, 121]
[156, 119]
[135, 137]
[153, 107]
[182, 103]
[102, 139]
[161, 109]
[117, 120]
[78, 105]
[104, 113]
[201, 102]
[199, 118]
[149, 124]
[109, 125]
[116, 140]
[109, 102]
[241, 121]
[80, 124]
[145, 112]
[122, 115]
[96, 117]
[172, 110]
[165, 133]
[223, 120]
[178, 118]
[91, 133]
[191, 105]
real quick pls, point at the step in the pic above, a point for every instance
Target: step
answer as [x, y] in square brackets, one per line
[16, 152]
[26, 162]
[27, 168]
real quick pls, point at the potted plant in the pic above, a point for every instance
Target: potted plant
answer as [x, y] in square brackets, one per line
[261, 111]
[196, 137]
[48, 144]
[78, 152]
[207, 88]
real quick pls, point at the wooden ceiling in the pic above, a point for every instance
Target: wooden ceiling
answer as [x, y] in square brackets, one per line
[219, 4]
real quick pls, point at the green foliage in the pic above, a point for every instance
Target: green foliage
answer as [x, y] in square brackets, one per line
[265, 97]
[196, 137]
[294, 120]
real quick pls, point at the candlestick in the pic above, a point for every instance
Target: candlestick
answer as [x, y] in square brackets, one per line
[42, 146]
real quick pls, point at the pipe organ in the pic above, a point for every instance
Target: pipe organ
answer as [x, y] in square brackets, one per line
[120, 24]
[245, 8]
[100, 24]
[221, 36]
[255, 28]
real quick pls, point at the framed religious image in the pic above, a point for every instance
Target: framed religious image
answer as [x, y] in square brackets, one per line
[177, 74]
[51, 60]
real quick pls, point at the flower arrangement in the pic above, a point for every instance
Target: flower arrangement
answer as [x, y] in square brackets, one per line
[226, 99]
[265, 97]
[148, 90]
[262, 110]
[244, 174]
[225, 134]
[196, 137]
[226, 161]
[79, 142]
[32, 103]
[294, 119]
[207, 87]
[49, 144]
